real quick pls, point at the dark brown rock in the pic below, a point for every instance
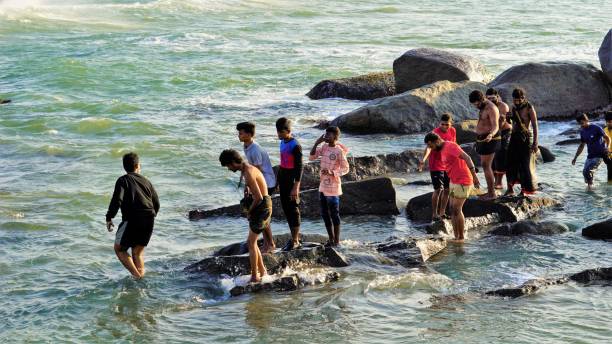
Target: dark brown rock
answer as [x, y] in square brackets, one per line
[546, 155]
[568, 142]
[600, 230]
[5, 101]
[528, 288]
[285, 283]
[410, 251]
[466, 131]
[279, 240]
[529, 227]
[362, 87]
[592, 275]
[605, 55]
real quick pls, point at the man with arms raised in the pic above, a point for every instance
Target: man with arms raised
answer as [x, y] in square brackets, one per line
[488, 138]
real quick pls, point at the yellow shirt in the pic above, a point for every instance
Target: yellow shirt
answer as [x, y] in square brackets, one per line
[608, 132]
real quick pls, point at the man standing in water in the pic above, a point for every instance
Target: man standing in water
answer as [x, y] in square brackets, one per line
[139, 204]
[505, 129]
[259, 158]
[289, 177]
[260, 210]
[597, 143]
[521, 153]
[488, 137]
[462, 174]
[437, 171]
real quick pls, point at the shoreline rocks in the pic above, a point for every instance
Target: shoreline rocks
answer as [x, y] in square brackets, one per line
[284, 283]
[601, 230]
[605, 55]
[410, 251]
[362, 87]
[529, 227]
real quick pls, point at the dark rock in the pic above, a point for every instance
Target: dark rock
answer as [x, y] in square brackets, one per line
[367, 197]
[509, 209]
[474, 223]
[420, 67]
[322, 124]
[546, 154]
[466, 131]
[605, 55]
[362, 87]
[415, 111]
[285, 283]
[279, 240]
[557, 89]
[568, 142]
[5, 101]
[529, 227]
[600, 230]
[420, 182]
[410, 252]
[527, 288]
[592, 275]
[570, 132]
[470, 149]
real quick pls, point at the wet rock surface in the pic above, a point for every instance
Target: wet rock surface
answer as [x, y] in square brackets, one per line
[600, 230]
[466, 131]
[605, 55]
[284, 283]
[358, 198]
[529, 227]
[568, 142]
[410, 251]
[362, 87]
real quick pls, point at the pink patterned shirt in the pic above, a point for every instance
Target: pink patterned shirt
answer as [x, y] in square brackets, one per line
[334, 160]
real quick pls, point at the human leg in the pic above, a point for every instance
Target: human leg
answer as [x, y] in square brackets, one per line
[254, 255]
[487, 167]
[334, 210]
[126, 260]
[590, 166]
[138, 258]
[325, 216]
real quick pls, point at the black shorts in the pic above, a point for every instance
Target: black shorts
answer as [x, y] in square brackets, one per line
[486, 148]
[135, 232]
[260, 217]
[439, 178]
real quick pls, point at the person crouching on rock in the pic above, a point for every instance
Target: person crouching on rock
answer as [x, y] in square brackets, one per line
[333, 165]
[505, 129]
[439, 177]
[462, 174]
[260, 211]
[597, 143]
[488, 139]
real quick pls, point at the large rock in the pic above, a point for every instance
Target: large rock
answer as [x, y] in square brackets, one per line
[362, 87]
[557, 89]
[466, 131]
[279, 240]
[415, 111]
[367, 197]
[529, 227]
[5, 101]
[471, 224]
[419, 67]
[605, 55]
[592, 275]
[600, 230]
[509, 209]
[285, 283]
[410, 251]
[569, 142]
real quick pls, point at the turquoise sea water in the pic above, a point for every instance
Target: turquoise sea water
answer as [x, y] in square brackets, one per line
[91, 80]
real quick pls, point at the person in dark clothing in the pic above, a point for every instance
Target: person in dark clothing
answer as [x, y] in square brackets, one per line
[289, 177]
[139, 205]
[597, 142]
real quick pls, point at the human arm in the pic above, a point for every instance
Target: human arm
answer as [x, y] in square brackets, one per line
[115, 203]
[471, 166]
[578, 152]
[314, 152]
[534, 124]
[425, 156]
[155, 200]
[494, 121]
[342, 167]
[298, 168]
[251, 183]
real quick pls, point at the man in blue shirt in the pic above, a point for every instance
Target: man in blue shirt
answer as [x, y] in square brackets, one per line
[597, 143]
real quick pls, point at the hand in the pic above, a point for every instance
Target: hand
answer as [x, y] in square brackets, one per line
[109, 225]
[476, 183]
[574, 161]
[421, 165]
[320, 139]
[295, 194]
[534, 147]
[488, 138]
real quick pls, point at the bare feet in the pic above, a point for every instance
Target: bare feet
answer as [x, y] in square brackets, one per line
[267, 249]
[487, 197]
[255, 279]
[263, 273]
[499, 186]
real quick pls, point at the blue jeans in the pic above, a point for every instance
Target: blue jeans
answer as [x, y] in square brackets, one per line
[590, 166]
[330, 209]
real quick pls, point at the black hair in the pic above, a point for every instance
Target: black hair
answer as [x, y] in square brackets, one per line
[609, 116]
[228, 156]
[492, 92]
[431, 137]
[130, 161]
[518, 93]
[582, 117]
[475, 96]
[247, 127]
[333, 129]
[283, 124]
[446, 117]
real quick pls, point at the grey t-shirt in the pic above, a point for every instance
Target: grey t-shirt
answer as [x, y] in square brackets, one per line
[258, 157]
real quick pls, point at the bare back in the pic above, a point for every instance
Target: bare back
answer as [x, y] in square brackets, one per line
[488, 119]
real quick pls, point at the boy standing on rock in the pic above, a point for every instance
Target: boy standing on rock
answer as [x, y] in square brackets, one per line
[505, 129]
[260, 210]
[488, 138]
[333, 166]
[597, 143]
[462, 174]
[439, 177]
[139, 204]
[289, 177]
[259, 158]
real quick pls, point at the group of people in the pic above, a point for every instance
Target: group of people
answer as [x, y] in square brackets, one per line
[507, 143]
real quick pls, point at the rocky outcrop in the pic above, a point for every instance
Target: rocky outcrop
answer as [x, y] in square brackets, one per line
[466, 131]
[605, 55]
[557, 89]
[279, 240]
[5, 101]
[529, 227]
[420, 67]
[284, 283]
[362, 87]
[592, 275]
[508, 209]
[472, 224]
[414, 111]
[544, 154]
[367, 197]
[568, 142]
[600, 230]
[410, 251]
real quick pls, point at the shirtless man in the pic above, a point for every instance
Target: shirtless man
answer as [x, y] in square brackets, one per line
[523, 145]
[488, 138]
[505, 129]
[260, 211]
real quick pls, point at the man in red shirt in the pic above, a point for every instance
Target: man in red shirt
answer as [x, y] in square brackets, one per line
[462, 175]
[439, 177]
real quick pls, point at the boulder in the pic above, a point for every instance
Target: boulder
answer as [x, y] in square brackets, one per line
[545, 154]
[415, 111]
[5, 101]
[557, 89]
[279, 240]
[571, 132]
[374, 196]
[466, 131]
[284, 283]
[568, 142]
[470, 149]
[529, 227]
[527, 288]
[592, 275]
[410, 251]
[474, 223]
[509, 209]
[600, 230]
[605, 55]
[419, 67]
[362, 87]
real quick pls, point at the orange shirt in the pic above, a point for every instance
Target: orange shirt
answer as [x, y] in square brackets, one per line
[457, 169]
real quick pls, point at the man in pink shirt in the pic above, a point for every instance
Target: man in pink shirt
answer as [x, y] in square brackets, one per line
[333, 166]
[439, 177]
[462, 174]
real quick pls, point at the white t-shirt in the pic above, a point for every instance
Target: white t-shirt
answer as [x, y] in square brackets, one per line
[258, 157]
